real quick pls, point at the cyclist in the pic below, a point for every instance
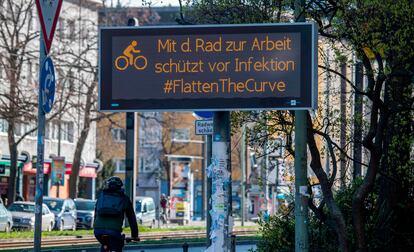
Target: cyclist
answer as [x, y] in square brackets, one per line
[111, 207]
[128, 52]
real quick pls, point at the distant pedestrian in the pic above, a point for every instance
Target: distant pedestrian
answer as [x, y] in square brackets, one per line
[163, 203]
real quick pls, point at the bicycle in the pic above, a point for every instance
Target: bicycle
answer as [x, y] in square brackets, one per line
[126, 63]
[106, 241]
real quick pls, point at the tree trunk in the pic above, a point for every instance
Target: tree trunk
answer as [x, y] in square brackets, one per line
[373, 142]
[77, 157]
[343, 129]
[13, 115]
[334, 211]
[11, 189]
[74, 177]
[393, 226]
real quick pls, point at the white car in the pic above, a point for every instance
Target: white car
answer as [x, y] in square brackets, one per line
[145, 211]
[6, 219]
[23, 214]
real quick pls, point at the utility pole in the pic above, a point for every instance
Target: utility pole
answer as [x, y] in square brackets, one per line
[221, 183]
[301, 194]
[243, 173]
[41, 115]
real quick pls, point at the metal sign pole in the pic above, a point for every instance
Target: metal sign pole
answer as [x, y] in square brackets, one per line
[301, 168]
[130, 173]
[40, 156]
[129, 149]
[221, 183]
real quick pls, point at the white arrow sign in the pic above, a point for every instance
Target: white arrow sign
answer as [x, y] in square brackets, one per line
[48, 11]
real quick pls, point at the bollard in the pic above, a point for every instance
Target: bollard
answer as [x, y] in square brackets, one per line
[233, 243]
[185, 247]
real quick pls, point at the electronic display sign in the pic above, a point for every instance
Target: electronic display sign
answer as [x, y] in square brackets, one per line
[214, 67]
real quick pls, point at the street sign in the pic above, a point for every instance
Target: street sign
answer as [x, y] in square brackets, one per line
[47, 84]
[208, 67]
[48, 11]
[204, 114]
[204, 127]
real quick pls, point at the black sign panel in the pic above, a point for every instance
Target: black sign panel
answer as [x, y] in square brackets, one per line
[222, 67]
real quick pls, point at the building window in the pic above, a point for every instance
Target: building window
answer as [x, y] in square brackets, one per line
[70, 132]
[145, 166]
[29, 72]
[119, 135]
[180, 135]
[3, 125]
[52, 131]
[61, 28]
[72, 30]
[67, 131]
[119, 165]
[23, 128]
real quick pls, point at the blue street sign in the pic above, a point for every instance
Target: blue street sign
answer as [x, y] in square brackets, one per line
[47, 84]
[204, 114]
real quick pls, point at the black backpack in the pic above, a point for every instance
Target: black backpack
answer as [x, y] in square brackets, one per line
[110, 204]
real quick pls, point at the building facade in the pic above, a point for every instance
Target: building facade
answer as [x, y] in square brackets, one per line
[75, 41]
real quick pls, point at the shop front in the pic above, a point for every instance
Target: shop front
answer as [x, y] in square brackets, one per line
[5, 176]
[87, 175]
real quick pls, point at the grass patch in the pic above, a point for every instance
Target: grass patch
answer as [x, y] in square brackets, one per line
[83, 232]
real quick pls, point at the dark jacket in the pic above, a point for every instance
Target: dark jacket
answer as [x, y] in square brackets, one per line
[115, 223]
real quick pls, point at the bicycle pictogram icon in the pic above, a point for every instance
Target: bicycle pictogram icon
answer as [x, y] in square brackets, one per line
[122, 62]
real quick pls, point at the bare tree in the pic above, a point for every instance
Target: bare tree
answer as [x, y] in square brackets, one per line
[374, 33]
[80, 60]
[18, 54]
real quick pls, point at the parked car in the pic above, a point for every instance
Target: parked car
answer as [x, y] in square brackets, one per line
[23, 214]
[64, 211]
[145, 211]
[6, 219]
[85, 209]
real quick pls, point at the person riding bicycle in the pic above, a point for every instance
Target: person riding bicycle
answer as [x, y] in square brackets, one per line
[111, 207]
[130, 50]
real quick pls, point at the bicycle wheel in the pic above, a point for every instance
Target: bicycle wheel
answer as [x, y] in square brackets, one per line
[141, 64]
[119, 65]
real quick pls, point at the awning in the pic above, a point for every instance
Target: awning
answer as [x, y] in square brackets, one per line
[29, 169]
[84, 171]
